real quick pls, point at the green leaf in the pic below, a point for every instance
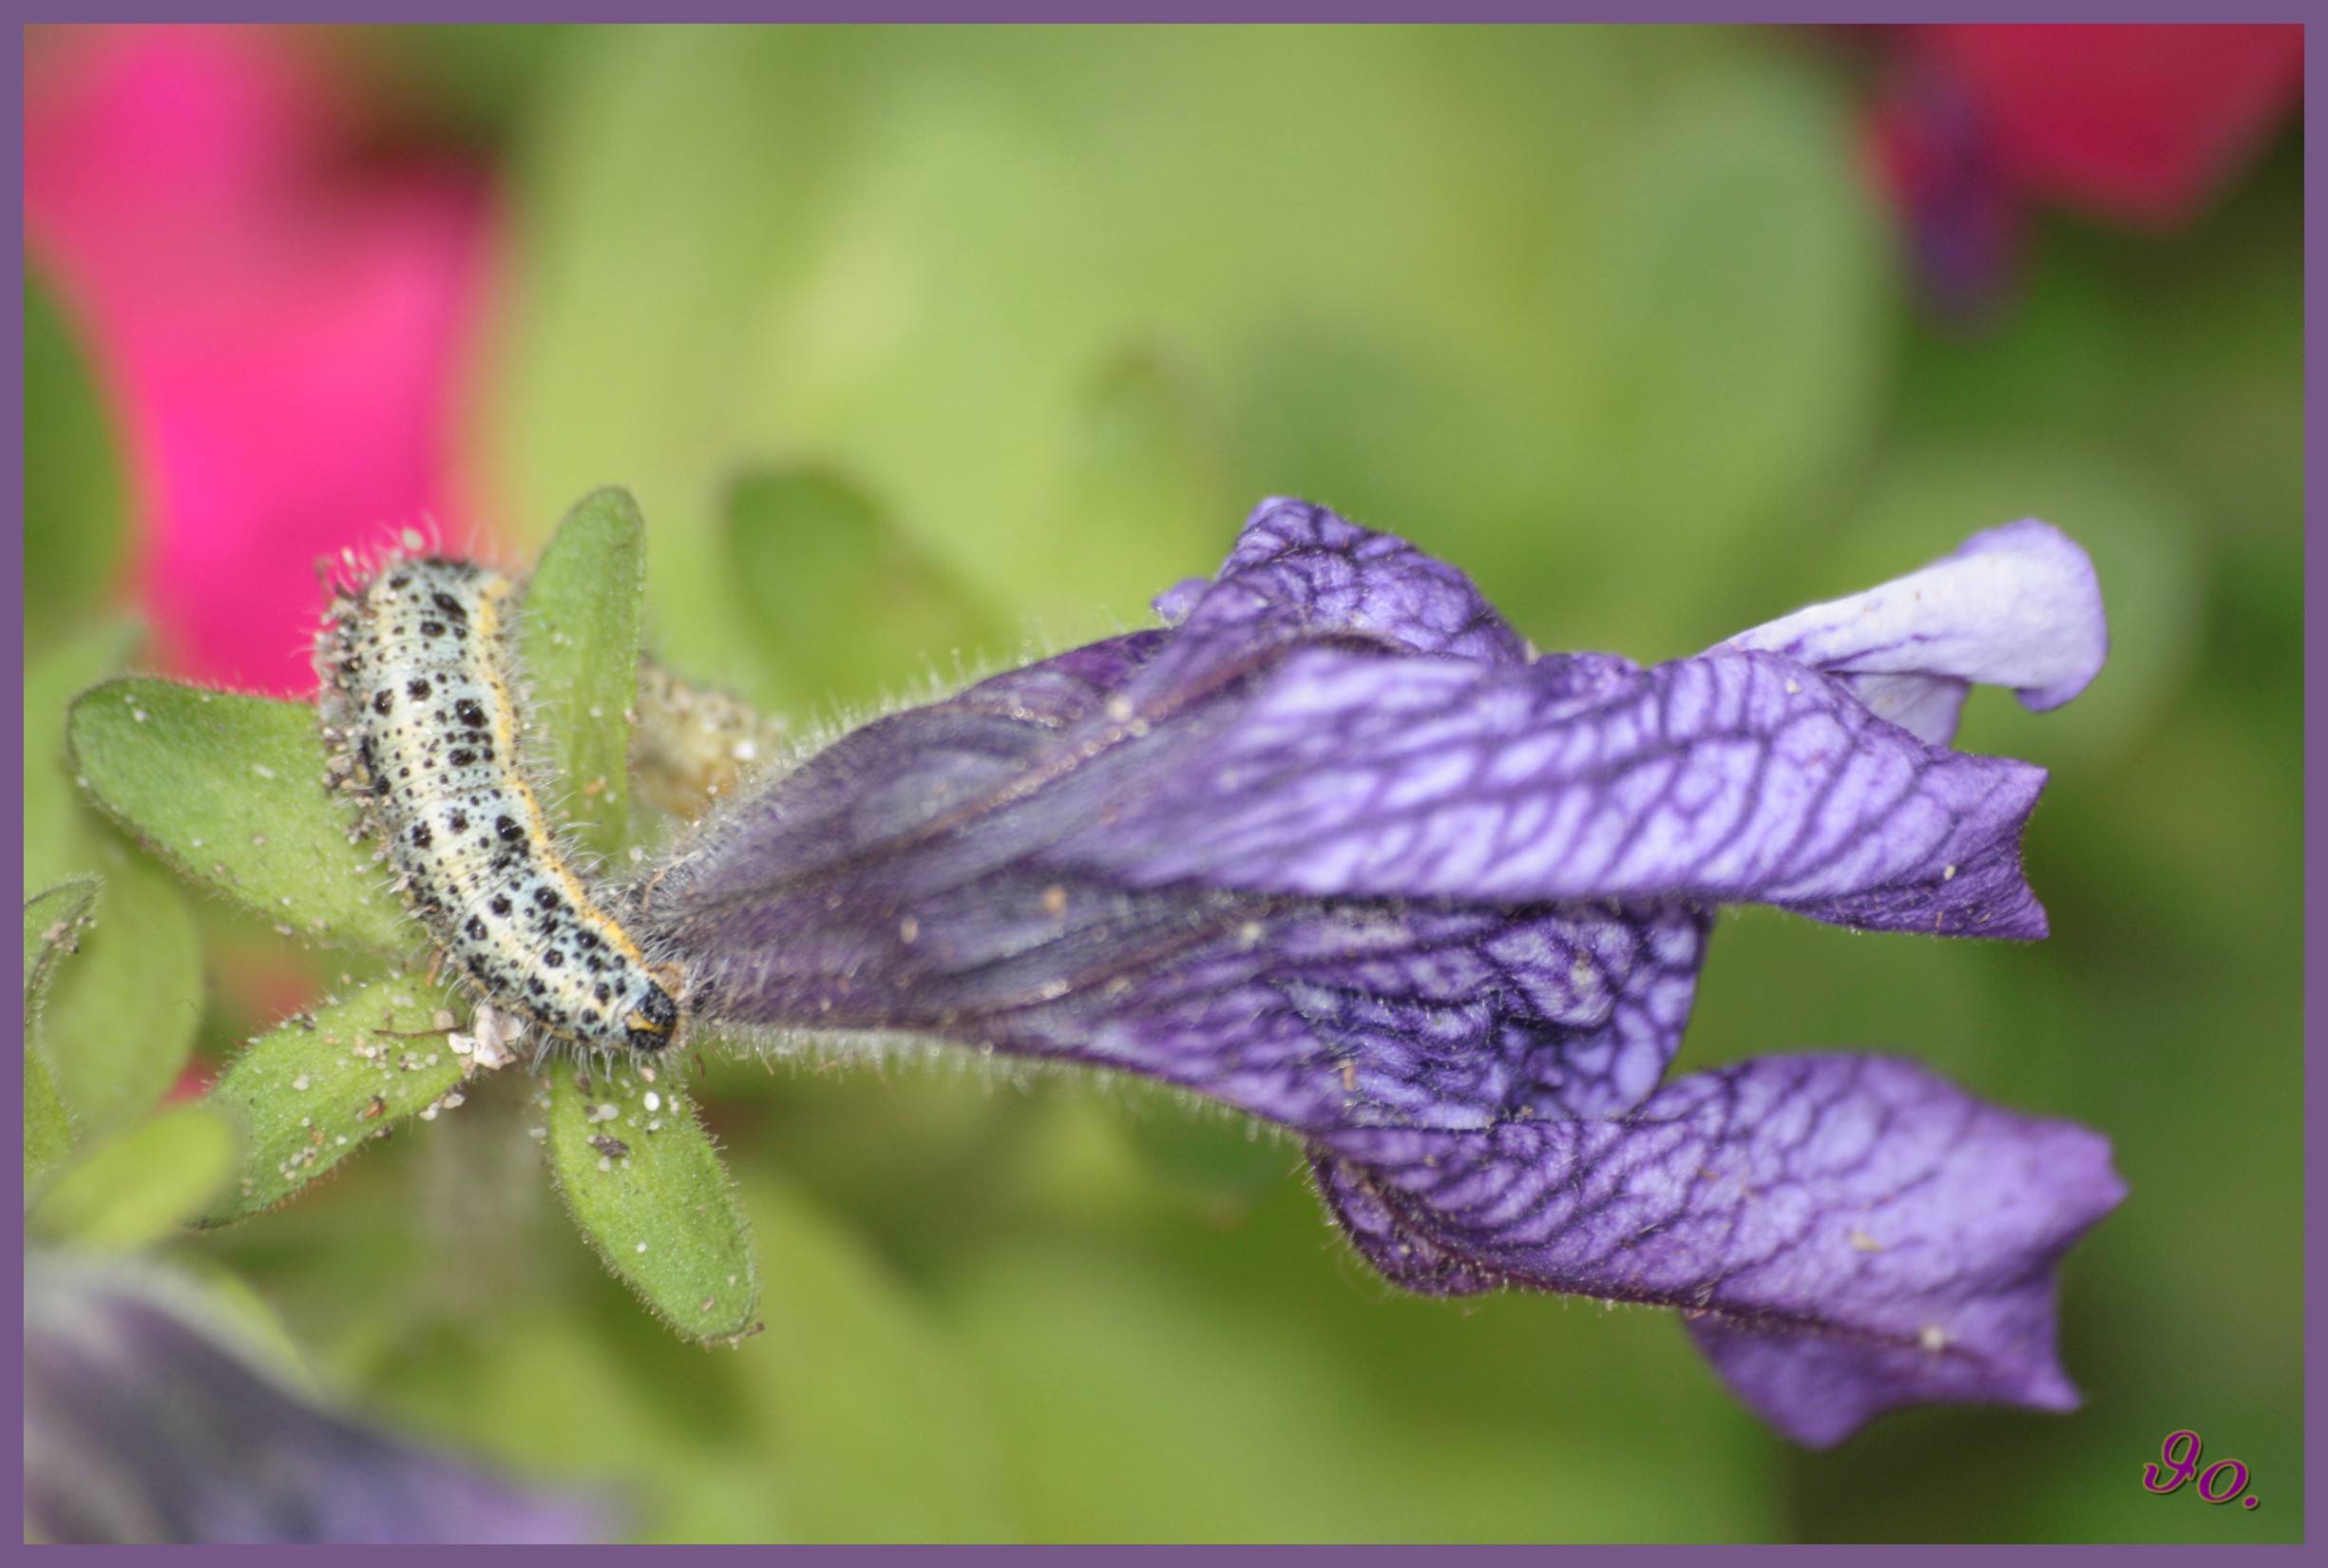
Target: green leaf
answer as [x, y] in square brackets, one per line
[59, 829]
[307, 1093]
[643, 1181]
[120, 1022]
[138, 1188]
[48, 1131]
[850, 1348]
[230, 791]
[459, 85]
[1142, 491]
[1244, 1407]
[1728, 299]
[76, 509]
[1218, 1161]
[52, 928]
[844, 605]
[583, 615]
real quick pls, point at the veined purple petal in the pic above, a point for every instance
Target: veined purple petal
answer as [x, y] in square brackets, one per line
[1733, 777]
[1846, 1235]
[2016, 606]
[1331, 848]
[901, 880]
[1275, 743]
[1327, 1016]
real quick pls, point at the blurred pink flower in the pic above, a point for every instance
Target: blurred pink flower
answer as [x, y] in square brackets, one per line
[2136, 126]
[281, 326]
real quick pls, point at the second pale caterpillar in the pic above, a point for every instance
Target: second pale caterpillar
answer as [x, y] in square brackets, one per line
[417, 665]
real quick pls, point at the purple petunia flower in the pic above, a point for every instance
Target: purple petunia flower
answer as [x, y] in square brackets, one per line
[1336, 848]
[148, 1419]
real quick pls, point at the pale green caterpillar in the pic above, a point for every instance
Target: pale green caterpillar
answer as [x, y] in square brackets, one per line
[416, 667]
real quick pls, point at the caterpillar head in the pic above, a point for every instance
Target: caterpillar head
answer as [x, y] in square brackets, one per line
[652, 1020]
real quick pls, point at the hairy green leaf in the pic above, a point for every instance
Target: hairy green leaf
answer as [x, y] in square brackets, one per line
[117, 1026]
[309, 1092]
[230, 790]
[136, 1189]
[582, 619]
[643, 1181]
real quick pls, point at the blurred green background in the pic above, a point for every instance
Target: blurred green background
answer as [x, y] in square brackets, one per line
[915, 344]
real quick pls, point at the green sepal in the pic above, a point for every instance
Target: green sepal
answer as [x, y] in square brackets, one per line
[314, 1090]
[584, 615]
[231, 790]
[53, 923]
[646, 1187]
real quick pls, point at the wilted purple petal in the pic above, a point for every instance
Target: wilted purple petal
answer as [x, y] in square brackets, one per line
[1847, 1234]
[1296, 736]
[142, 1424]
[1300, 567]
[2016, 606]
[1732, 776]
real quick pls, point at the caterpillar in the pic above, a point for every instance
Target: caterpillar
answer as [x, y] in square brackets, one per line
[418, 687]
